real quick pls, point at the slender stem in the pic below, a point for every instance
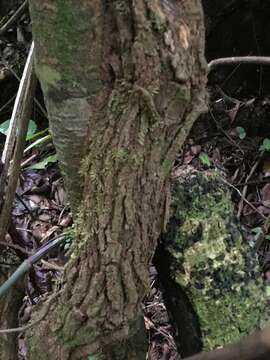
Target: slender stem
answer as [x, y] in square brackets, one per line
[26, 265]
[14, 17]
[16, 138]
[21, 270]
[253, 60]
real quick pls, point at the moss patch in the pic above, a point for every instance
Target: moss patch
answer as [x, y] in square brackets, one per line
[211, 262]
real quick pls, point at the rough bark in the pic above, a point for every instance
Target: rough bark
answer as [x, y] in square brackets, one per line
[131, 73]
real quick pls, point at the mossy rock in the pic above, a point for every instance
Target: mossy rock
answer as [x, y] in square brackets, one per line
[217, 270]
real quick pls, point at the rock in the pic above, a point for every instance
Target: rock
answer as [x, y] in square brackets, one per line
[217, 270]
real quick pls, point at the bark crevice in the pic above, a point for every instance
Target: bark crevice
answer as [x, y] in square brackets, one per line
[136, 125]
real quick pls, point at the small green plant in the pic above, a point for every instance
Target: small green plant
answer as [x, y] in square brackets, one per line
[241, 132]
[45, 139]
[67, 244]
[265, 145]
[32, 128]
[38, 135]
[257, 232]
[45, 162]
[204, 159]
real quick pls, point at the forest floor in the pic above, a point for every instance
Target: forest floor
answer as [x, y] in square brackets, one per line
[233, 137]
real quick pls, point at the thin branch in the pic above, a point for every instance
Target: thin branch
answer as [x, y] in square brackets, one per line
[245, 200]
[41, 108]
[19, 120]
[252, 60]
[14, 18]
[244, 192]
[48, 265]
[7, 103]
[234, 143]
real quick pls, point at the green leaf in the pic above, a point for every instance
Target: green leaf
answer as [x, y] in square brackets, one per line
[241, 132]
[42, 164]
[38, 134]
[265, 145]
[4, 127]
[32, 128]
[267, 237]
[204, 158]
[39, 142]
[257, 231]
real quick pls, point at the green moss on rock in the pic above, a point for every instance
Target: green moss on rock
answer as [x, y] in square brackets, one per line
[216, 268]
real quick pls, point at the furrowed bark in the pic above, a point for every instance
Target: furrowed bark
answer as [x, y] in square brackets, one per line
[124, 81]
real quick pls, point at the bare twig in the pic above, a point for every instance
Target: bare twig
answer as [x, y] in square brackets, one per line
[245, 200]
[234, 143]
[20, 199]
[227, 97]
[50, 266]
[14, 18]
[7, 103]
[29, 160]
[41, 108]
[255, 60]
[244, 192]
[19, 120]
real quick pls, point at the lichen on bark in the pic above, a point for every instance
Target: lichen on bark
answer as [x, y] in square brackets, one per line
[216, 268]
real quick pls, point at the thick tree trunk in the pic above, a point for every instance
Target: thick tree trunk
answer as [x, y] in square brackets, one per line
[131, 73]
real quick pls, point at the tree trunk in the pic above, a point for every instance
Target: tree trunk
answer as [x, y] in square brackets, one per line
[124, 82]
